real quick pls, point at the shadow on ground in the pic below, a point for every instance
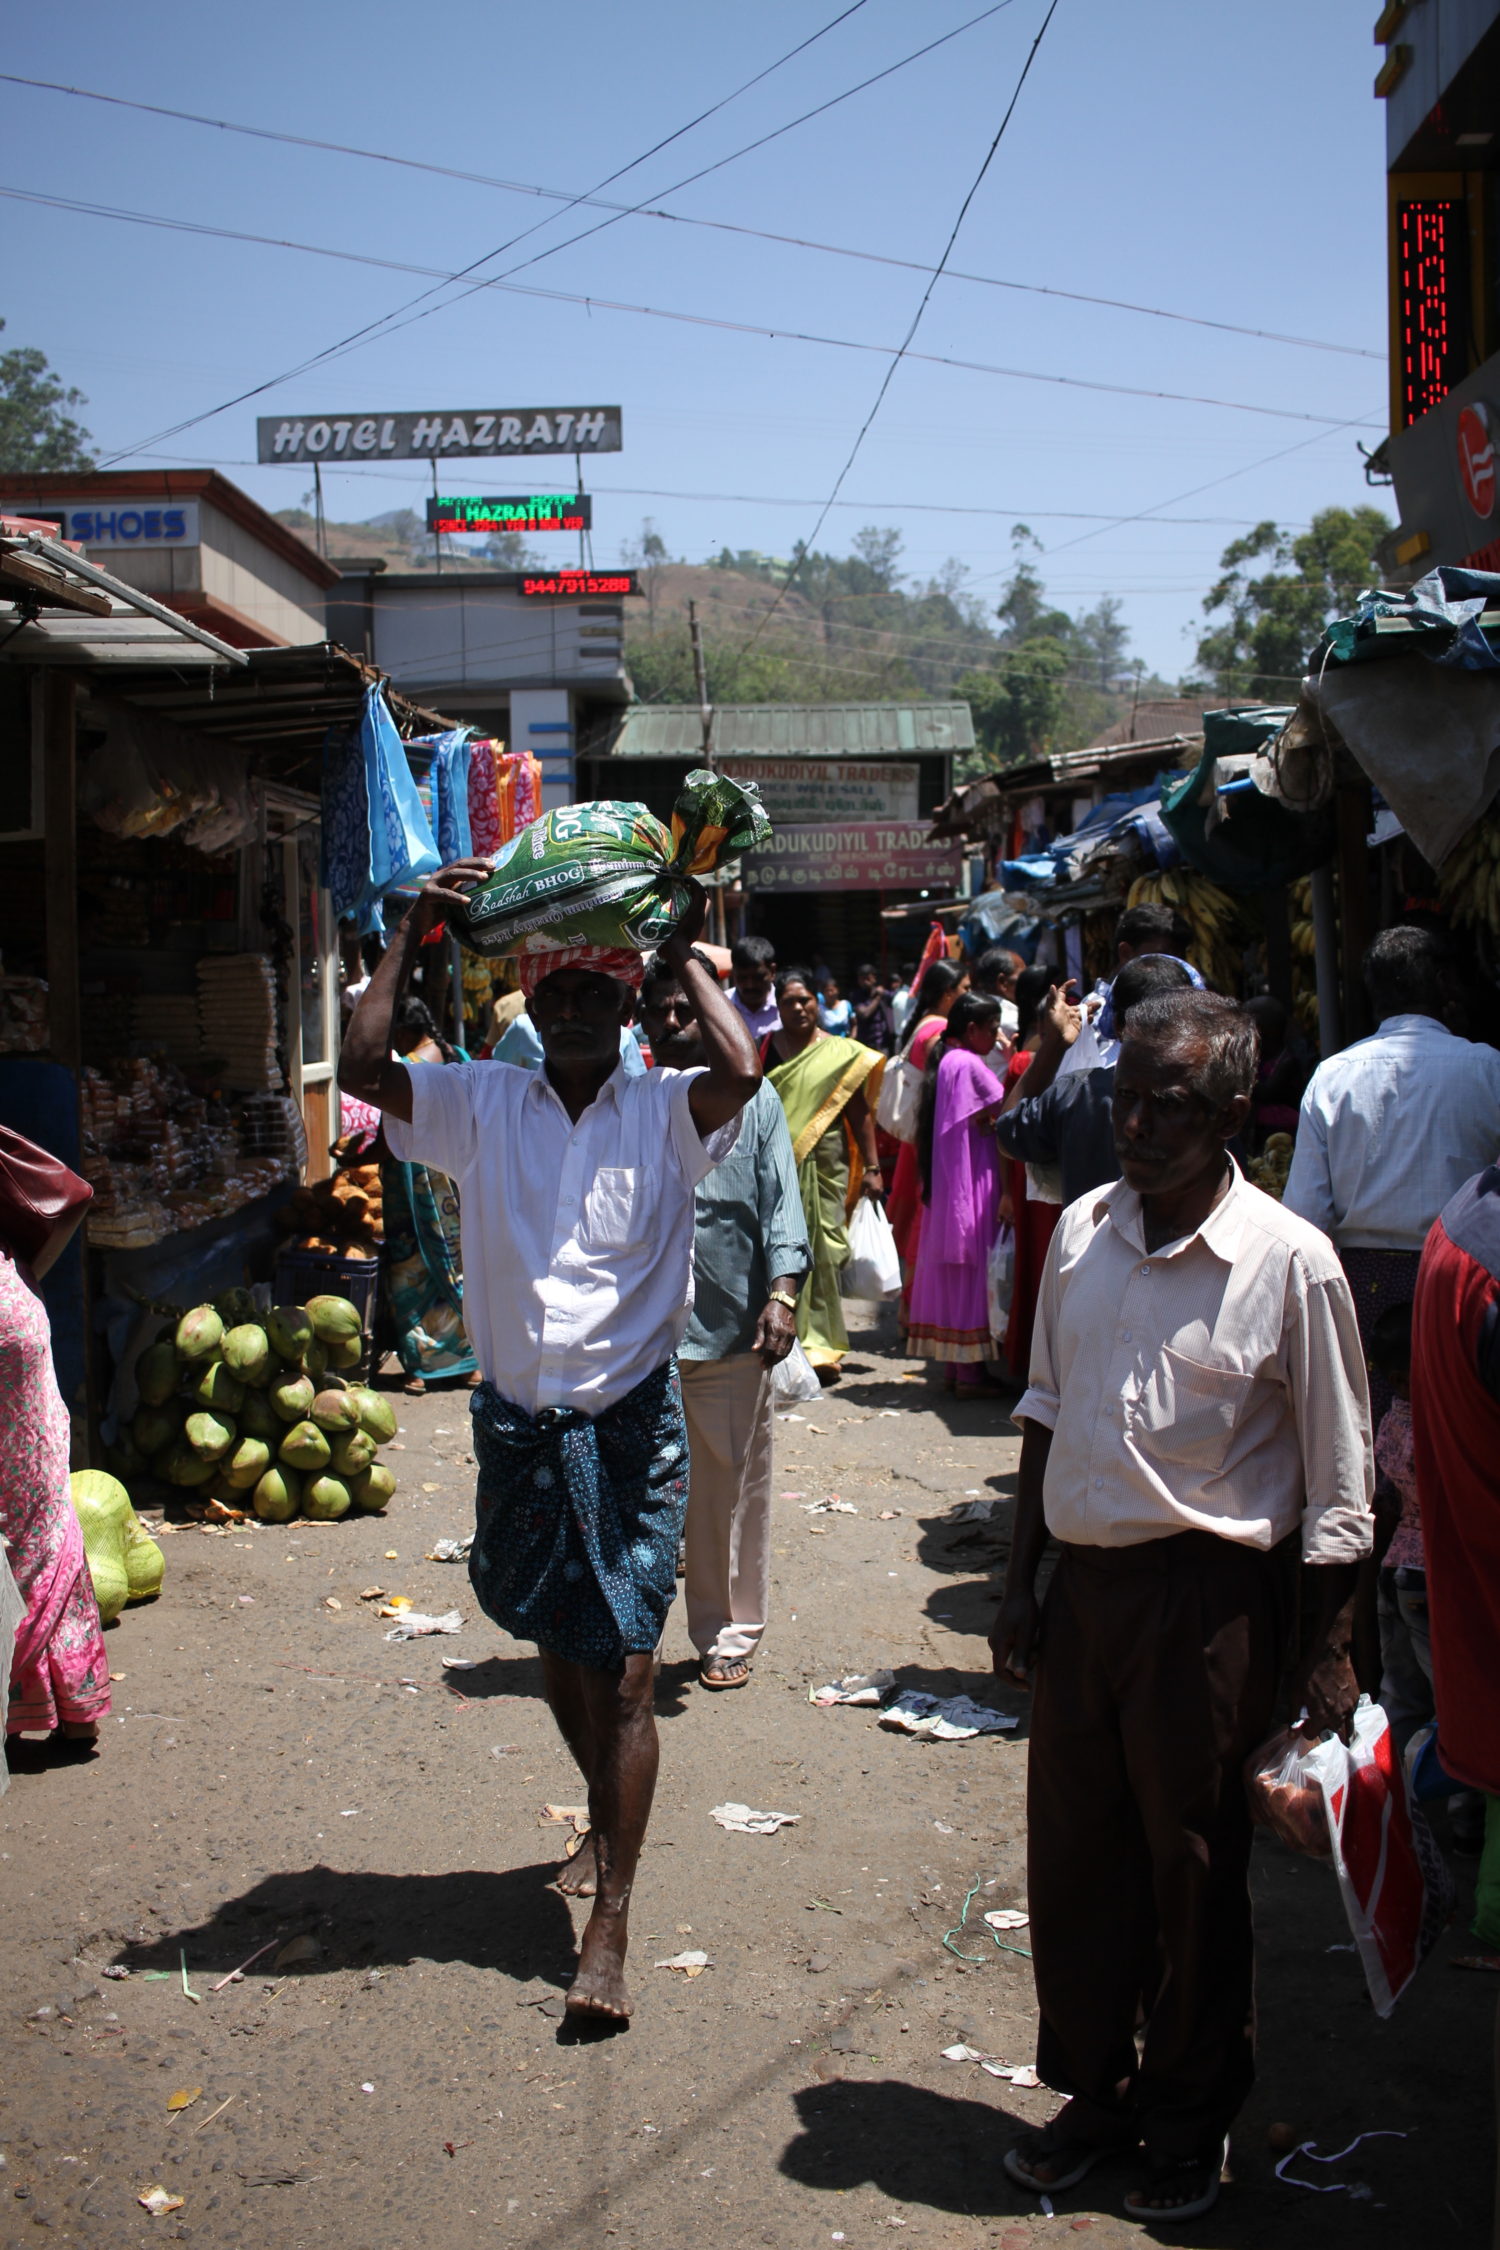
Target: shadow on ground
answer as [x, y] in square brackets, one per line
[508, 1920]
[914, 2145]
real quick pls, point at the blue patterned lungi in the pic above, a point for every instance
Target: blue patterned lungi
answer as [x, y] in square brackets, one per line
[577, 1521]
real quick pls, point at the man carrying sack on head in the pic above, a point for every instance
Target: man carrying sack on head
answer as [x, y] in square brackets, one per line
[576, 1188]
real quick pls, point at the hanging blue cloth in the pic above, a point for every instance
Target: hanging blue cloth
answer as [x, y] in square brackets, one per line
[376, 836]
[448, 782]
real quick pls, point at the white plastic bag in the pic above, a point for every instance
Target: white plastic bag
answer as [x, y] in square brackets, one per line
[874, 1268]
[900, 1099]
[1001, 1280]
[794, 1377]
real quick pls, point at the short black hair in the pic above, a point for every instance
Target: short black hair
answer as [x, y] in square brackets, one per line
[995, 962]
[752, 953]
[794, 975]
[1180, 1019]
[659, 976]
[1404, 972]
[1147, 928]
[1390, 1340]
[1147, 977]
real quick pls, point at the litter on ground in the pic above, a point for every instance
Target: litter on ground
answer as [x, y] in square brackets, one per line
[955, 1718]
[832, 1506]
[1007, 1918]
[854, 1687]
[692, 1964]
[741, 1820]
[974, 1511]
[452, 1550]
[415, 1625]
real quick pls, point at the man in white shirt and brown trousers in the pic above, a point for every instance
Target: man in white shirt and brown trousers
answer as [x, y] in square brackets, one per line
[576, 1188]
[1197, 1400]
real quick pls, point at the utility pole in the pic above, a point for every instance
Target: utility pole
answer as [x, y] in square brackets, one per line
[706, 716]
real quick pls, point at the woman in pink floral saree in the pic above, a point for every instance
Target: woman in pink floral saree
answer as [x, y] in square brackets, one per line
[59, 1678]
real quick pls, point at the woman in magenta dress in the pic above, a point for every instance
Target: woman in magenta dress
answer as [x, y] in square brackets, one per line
[940, 987]
[1032, 1221]
[59, 1678]
[960, 1163]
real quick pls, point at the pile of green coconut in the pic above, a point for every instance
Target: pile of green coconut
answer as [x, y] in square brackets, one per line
[257, 1413]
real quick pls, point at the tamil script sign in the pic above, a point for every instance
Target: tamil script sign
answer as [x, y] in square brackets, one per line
[450, 433]
[873, 855]
[824, 789]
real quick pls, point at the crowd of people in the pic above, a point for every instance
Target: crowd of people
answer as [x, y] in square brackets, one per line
[1261, 1436]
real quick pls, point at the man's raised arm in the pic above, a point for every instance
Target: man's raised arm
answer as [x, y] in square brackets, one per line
[366, 1071]
[733, 1071]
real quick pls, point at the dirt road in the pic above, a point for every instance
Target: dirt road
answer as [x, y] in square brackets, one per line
[277, 1771]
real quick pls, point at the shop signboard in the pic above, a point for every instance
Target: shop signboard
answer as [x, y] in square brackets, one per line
[829, 789]
[115, 524]
[872, 855]
[1445, 472]
[471, 513]
[449, 433]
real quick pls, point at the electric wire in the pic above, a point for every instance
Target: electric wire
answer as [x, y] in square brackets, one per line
[780, 335]
[692, 219]
[417, 308]
[889, 376]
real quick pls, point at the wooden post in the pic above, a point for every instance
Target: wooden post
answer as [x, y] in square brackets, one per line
[1325, 962]
[1353, 819]
[60, 861]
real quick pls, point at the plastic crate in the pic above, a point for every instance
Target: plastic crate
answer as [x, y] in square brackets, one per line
[301, 1274]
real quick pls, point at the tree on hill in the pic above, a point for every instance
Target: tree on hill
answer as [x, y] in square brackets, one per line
[1268, 623]
[35, 432]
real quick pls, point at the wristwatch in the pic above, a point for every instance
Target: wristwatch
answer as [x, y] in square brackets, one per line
[780, 1297]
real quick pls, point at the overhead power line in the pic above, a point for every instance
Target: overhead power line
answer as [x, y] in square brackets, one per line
[418, 308]
[690, 219]
[895, 352]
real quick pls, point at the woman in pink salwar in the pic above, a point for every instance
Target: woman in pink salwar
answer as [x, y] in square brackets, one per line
[59, 1676]
[960, 1164]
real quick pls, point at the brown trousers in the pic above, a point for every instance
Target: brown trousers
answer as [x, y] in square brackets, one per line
[1157, 1677]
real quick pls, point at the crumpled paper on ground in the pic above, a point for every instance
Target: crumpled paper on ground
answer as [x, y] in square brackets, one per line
[451, 1550]
[740, 1820]
[954, 1718]
[854, 1687]
[415, 1625]
[692, 1964]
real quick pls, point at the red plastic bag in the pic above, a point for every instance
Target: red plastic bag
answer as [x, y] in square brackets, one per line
[1396, 1888]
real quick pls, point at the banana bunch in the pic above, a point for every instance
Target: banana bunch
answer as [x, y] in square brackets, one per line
[1211, 915]
[1469, 883]
[1269, 1170]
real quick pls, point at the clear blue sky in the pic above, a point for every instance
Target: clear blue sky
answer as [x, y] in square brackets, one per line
[1217, 161]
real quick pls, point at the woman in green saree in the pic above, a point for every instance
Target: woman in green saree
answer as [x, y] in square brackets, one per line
[828, 1088]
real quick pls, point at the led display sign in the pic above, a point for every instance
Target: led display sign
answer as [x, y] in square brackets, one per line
[575, 583]
[1432, 301]
[535, 511]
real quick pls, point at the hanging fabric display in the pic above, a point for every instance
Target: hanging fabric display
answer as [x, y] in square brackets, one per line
[485, 832]
[376, 835]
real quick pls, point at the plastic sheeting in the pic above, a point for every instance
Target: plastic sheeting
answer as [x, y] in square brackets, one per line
[376, 835]
[148, 778]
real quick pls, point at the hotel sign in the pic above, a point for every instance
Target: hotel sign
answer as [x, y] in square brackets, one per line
[449, 433]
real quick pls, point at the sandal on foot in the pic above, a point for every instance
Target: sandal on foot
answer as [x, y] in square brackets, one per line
[1196, 2176]
[1074, 2160]
[721, 1672]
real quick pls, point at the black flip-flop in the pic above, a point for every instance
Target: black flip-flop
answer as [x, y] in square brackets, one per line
[719, 1686]
[1079, 2156]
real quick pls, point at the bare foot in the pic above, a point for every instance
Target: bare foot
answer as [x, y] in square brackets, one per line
[578, 1877]
[599, 1987]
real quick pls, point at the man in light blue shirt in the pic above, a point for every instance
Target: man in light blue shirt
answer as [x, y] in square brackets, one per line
[519, 1044]
[1391, 1128]
[750, 1258]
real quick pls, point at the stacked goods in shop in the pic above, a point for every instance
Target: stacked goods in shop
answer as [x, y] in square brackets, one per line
[1469, 879]
[24, 1017]
[237, 1013]
[343, 1216]
[1271, 1168]
[1212, 916]
[160, 1157]
[167, 1024]
[255, 1414]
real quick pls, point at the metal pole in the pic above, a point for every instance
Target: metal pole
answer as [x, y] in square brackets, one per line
[322, 527]
[706, 715]
[437, 537]
[1326, 961]
[578, 488]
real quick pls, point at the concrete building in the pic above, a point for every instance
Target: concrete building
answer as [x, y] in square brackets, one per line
[193, 540]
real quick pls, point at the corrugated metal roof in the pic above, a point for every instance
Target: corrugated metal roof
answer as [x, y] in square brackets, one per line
[794, 730]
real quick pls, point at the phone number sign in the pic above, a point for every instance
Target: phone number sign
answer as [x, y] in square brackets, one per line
[867, 856]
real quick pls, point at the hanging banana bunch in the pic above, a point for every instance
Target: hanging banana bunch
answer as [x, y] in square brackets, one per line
[1212, 916]
[1469, 880]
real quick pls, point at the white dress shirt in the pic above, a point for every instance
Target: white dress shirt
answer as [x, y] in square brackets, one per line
[1390, 1130]
[577, 1239]
[1216, 1384]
